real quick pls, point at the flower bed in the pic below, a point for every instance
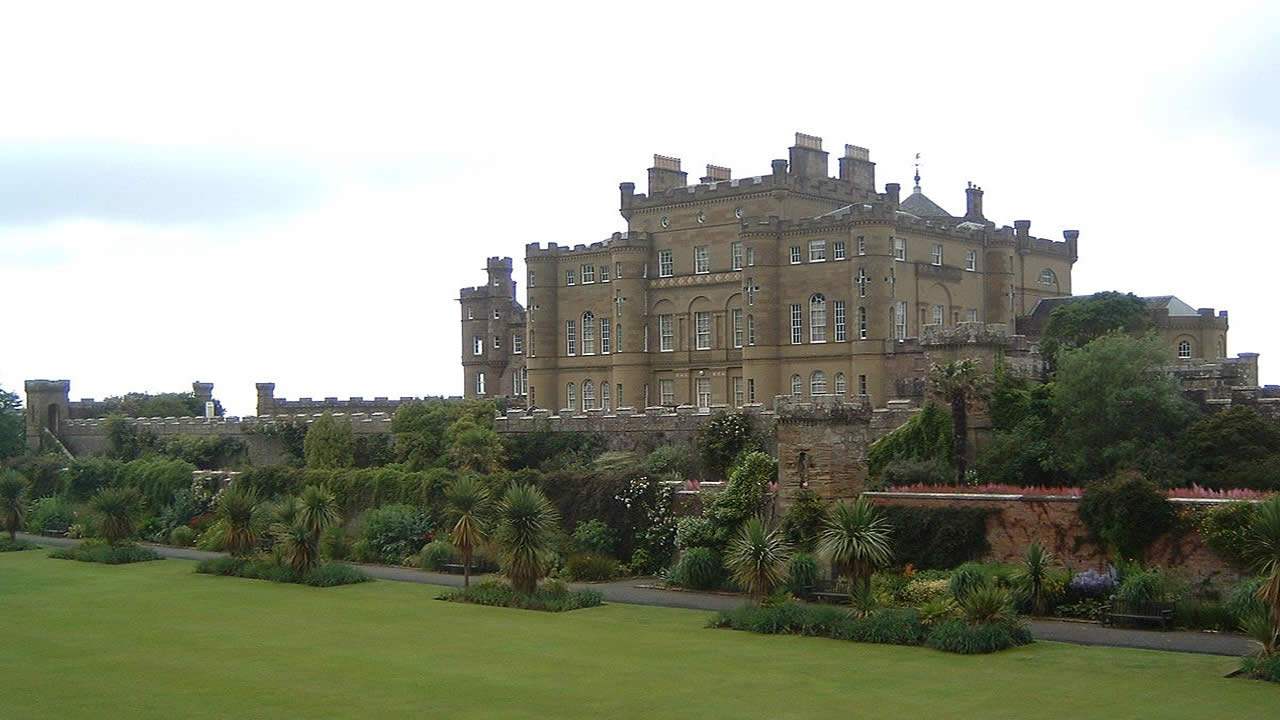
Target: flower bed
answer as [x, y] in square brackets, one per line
[100, 552]
[329, 575]
[7, 545]
[551, 597]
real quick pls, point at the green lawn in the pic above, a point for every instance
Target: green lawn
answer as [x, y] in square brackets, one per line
[154, 640]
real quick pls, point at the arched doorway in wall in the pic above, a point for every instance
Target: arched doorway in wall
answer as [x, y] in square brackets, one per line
[53, 415]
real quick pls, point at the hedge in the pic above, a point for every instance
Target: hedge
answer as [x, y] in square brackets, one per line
[937, 537]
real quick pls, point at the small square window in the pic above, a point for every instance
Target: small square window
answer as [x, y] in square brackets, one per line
[588, 274]
[795, 255]
[817, 251]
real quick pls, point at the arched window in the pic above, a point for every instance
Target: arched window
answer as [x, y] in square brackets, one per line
[588, 395]
[817, 318]
[606, 402]
[570, 397]
[818, 383]
[1047, 277]
[1184, 349]
[841, 386]
[588, 336]
[797, 386]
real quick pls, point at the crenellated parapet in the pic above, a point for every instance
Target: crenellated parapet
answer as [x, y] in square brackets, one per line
[619, 241]
[361, 423]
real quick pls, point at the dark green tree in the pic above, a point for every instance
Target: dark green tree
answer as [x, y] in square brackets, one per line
[722, 439]
[1126, 513]
[13, 429]
[1232, 448]
[927, 435]
[1075, 324]
[330, 443]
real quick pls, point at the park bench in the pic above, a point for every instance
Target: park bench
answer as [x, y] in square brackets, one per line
[455, 568]
[1117, 610]
[826, 591]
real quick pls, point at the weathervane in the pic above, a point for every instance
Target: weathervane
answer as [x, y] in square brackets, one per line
[917, 189]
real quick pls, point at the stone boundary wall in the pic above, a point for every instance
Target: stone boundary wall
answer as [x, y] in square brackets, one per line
[1054, 521]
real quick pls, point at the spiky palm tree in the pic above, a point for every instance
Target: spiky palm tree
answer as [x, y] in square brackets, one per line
[235, 510]
[13, 501]
[1264, 544]
[298, 545]
[468, 498]
[318, 510]
[757, 557]
[116, 506]
[855, 540]
[961, 383]
[526, 524]
[1032, 575]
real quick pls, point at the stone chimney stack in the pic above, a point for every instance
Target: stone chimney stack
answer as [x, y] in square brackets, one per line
[891, 192]
[808, 159]
[715, 173]
[857, 169]
[666, 174]
[973, 203]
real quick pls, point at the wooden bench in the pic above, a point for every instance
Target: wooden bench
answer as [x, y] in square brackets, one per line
[825, 592]
[1161, 613]
[455, 568]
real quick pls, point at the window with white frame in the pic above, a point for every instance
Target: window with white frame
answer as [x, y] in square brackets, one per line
[862, 384]
[606, 401]
[617, 270]
[817, 318]
[568, 277]
[900, 320]
[862, 323]
[571, 337]
[479, 383]
[737, 327]
[666, 333]
[751, 257]
[521, 381]
[666, 392]
[703, 387]
[971, 260]
[837, 309]
[818, 383]
[588, 274]
[837, 250]
[606, 336]
[701, 260]
[570, 397]
[795, 255]
[937, 253]
[477, 345]
[841, 386]
[797, 386]
[738, 397]
[530, 278]
[862, 282]
[937, 314]
[1047, 277]
[517, 344]
[862, 245]
[797, 322]
[497, 342]
[604, 273]
[751, 390]
[1184, 349]
[973, 315]
[617, 333]
[588, 333]
[644, 338]
[665, 265]
[751, 329]
[588, 395]
[750, 290]
[899, 248]
[702, 330]
[619, 388]
[817, 251]
[736, 255]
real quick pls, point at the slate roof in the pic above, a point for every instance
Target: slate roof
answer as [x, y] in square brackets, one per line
[917, 203]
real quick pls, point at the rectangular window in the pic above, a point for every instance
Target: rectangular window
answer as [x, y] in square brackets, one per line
[937, 253]
[838, 311]
[701, 260]
[530, 278]
[617, 270]
[862, 282]
[606, 402]
[517, 344]
[862, 323]
[862, 245]
[497, 342]
[664, 263]
[838, 250]
[666, 335]
[604, 273]
[479, 383]
[973, 315]
[737, 327]
[471, 314]
[751, 329]
[644, 340]
[900, 320]
[818, 321]
[738, 396]
[571, 337]
[617, 332]
[606, 336]
[751, 257]
[588, 334]
[521, 381]
[751, 390]
[619, 396]
[899, 248]
[568, 277]
[702, 330]
[667, 392]
[797, 321]
[862, 384]
[795, 255]
[703, 386]
[735, 255]
[588, 274]
[937, 314]
[477, 345]
[817, 251]
[971, 260]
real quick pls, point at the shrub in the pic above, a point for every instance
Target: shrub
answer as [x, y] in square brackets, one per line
[334, 544]
[1262, 668]
[1243, 600]
[987, 603]
[937, 537]
[926, 436]
[1142, 590]
[961, 637]
[723, 438]
[551, 597]
[49, 516]
[101, 552]
[699, 568]
[1093, 584]
[89, 475]
[966, 579]
[938, 610]
[802, 573]
[156, 480]
[908, 472]
[1225, 529]
[115, 509]
[396, 531]
[670, 460]
[591, 566]
[214, 538]
[893, 626]
[182, 536]
[757, 558]
[923, 592]
[695, 531]
[1033, 577]
[595, 537]
[1197, 614]
[803, 523]
[434, 555]
[334, 574]
[362, 551]
[1126, 513]
[7, 545]
[329, 575]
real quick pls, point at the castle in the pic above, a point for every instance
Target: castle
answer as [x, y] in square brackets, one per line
[730, 292]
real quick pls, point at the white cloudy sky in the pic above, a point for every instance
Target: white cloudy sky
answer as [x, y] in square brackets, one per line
[241, 193]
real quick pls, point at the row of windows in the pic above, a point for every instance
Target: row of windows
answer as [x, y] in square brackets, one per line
[471, 314]
[818, 384]
[589, 335]
[519, 383]
[517, 344]
[589, 396]
[588, 274]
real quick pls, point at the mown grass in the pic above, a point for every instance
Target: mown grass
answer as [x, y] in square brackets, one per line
[155, 640]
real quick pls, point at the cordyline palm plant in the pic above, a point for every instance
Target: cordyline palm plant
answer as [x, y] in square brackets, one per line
[315, 511]
[1032, 575]
[961, 383]
[757, 557]
[526, 525]
[855, 539]
[1264, 544]
[299, 547]
[318, 511]
[989, 603]
[469, 500]
[235, 510]
[116, 507]
[13, 501]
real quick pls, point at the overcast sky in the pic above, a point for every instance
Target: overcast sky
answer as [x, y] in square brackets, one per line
[269, 192]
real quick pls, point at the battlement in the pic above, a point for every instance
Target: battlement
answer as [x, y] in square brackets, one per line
[619, 240]
[361, 423]
[499, 263]
[269, 405]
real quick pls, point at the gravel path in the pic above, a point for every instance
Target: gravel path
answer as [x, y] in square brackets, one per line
[632, 592]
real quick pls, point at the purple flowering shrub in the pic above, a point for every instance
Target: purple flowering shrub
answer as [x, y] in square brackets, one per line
[1093, 584]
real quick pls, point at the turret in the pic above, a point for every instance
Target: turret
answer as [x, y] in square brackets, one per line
[266, 398]
[48, 406]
